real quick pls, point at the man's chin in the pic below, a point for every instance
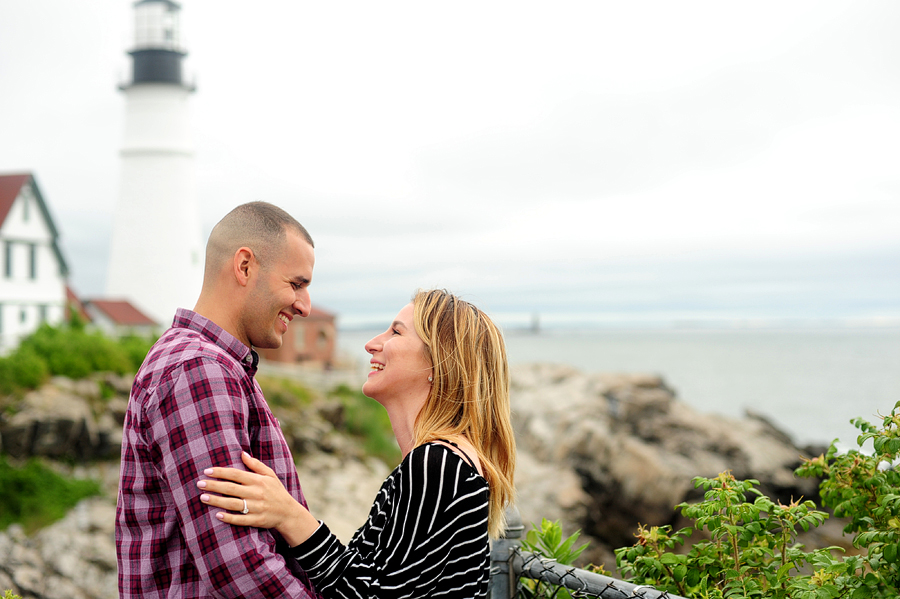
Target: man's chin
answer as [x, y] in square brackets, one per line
[274, 343]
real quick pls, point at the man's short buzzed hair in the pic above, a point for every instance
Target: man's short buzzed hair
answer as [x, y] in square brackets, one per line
[260, 226]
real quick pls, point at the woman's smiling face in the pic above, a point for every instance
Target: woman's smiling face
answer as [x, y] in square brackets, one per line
[400, 366]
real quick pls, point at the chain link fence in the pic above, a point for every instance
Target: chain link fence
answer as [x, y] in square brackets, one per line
[512, 568]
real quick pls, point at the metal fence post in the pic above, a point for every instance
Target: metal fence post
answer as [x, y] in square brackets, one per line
[504, 578]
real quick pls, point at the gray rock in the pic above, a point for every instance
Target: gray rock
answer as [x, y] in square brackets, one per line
[6, 581]
[634, 448]
[51, 422]
[73, 558]
[29, 579]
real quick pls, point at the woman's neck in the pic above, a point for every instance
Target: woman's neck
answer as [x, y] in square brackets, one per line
[403, 422]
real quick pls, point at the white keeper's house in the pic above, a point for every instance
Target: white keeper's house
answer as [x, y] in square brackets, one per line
[33, 270]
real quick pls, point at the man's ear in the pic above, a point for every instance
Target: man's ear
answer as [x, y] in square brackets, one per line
[244, 266]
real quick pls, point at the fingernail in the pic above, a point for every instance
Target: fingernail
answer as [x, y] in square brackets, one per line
[208, 472]
[202, 484]
[220, 516]
[245, 453]
[204, 498]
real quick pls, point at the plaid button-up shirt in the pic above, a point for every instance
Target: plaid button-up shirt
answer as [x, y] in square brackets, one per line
[195, 404]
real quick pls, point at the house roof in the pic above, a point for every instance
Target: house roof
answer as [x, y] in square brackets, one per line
[317, 314]
[122, 312]
[75, 302]
[10, 186]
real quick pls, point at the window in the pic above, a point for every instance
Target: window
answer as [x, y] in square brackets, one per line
[9, 260]
[23, 315]
[26, 212]
[42, 314]
[32, 260]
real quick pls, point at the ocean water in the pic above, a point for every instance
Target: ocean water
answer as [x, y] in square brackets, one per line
[809, 382]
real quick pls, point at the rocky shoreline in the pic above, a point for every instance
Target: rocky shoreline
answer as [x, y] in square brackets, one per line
[599, 452]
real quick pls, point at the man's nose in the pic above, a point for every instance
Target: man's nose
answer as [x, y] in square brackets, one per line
[303, 304]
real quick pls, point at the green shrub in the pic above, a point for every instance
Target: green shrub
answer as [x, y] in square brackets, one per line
[76, 353]
[864, 487]
[29, 369]
[549, 542]
[367, 420]
[7, 377]
[284, 393]
[136, 349]
[68, 351]
[752, 549]
[36, 496]
[23, 369]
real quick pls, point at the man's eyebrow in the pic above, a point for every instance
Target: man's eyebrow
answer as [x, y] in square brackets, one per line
[300, 280]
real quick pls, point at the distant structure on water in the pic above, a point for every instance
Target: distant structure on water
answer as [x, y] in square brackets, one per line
[156, 253]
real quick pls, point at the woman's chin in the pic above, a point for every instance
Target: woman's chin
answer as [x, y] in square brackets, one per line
[368, 390]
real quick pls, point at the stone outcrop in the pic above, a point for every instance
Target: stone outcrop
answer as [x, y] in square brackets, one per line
[74, 558]
[67, 419]
[599, 452]
[605, 452]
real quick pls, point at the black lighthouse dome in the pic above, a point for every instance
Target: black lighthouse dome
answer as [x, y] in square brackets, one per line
[158, 52]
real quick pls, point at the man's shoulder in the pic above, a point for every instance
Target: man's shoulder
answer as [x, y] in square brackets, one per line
[179, 349]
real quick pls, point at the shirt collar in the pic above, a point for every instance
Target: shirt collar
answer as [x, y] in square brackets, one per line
[188, 319]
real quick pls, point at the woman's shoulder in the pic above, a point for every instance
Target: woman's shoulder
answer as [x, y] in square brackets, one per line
[437, 456]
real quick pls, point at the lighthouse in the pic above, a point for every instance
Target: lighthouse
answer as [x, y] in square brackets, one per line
[156, 257]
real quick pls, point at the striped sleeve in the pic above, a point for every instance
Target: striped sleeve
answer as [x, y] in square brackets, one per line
[426, 536]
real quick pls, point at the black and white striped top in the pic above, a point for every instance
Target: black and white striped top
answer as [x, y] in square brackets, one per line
[426, 536]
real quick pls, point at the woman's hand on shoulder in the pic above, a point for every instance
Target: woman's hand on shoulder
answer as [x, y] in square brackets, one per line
[268, 503]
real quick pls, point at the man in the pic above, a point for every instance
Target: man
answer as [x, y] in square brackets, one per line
[195, 404]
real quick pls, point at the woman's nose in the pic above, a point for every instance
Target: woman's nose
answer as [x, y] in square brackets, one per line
[375, 344]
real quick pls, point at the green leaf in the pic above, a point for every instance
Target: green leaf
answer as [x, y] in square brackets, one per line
[693, 577]
[669, 559]
[862, 592]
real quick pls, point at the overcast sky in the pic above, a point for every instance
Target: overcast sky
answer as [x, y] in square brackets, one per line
[591, 161]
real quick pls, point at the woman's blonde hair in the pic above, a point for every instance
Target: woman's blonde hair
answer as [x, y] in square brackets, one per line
[470, 391]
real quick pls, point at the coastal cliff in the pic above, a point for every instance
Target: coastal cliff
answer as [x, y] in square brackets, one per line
[599, 452]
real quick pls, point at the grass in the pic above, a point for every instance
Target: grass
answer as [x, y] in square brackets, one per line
[363, 419]
[36, 496]
[284, 393]
[368, 421]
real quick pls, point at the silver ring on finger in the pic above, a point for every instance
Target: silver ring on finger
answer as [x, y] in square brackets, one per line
[246, 510]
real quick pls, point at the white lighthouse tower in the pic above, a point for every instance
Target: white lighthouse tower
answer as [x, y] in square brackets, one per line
[156, 258]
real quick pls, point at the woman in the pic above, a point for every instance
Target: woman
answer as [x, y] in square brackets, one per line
[441, 373]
